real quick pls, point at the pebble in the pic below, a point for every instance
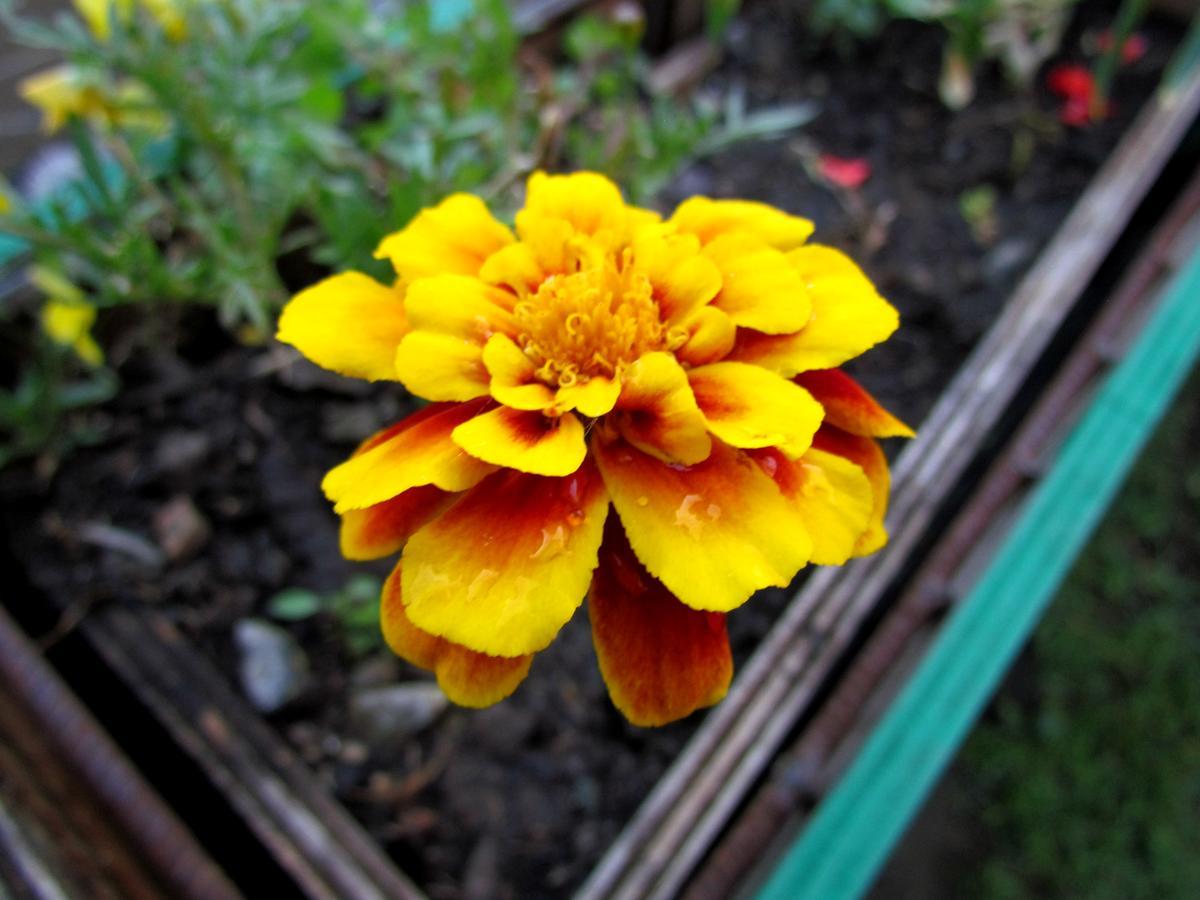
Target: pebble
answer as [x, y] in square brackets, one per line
[375, 671]
[272, 667]
[180, 528]
[180, 451]
[386, 716]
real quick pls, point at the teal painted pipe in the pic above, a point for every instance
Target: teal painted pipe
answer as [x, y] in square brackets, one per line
[853, 831]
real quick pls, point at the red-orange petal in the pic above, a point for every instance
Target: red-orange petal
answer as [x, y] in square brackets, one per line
[504, 568]
[849, 406]
[382, 529]
[414, 452]
[467, 678]
[657, 412]
[865, 453]
[660, 659]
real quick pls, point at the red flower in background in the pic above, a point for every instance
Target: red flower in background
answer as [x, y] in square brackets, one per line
[1132, 50]
[845, 173]
[1076, 86]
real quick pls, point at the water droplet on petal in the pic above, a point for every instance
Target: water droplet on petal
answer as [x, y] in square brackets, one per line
[714, 511]
[686, 518]
[643, 500]
[553, 543]
[576, 517]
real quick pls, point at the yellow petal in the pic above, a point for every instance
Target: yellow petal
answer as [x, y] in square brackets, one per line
[169, 16]
[414, 452]
[657, 412]
[760, 288]
[454, 237]
[593, 398]
[515, 266]
[713, 533]
[833, 495]
[682, 280]
[66, 323]
[459, 305]
[848, 318]
[506, 567]
[466, 677]
[865, 453]
[514, 381]
[452, 317]
[88, 350]
[525, 440]
[441, 367]
[349, 323]
[746, 406]
[97, 14]
[709, 219]
[711, 335]
[58, 93]
[553, 248]
[589, 202]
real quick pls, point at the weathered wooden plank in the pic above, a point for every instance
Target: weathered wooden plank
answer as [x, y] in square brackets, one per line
[694, 800]
[309, 833]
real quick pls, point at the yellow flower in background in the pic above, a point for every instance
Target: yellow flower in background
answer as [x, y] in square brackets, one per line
[67, 317]
[98, 15]
[62, 92]
[647, 412]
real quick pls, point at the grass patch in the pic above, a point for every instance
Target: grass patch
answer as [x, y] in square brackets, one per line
[1087, 778]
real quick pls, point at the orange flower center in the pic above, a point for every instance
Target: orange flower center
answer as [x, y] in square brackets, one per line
[592, 322]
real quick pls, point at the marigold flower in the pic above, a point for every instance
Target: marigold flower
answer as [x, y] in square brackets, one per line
[647, 412]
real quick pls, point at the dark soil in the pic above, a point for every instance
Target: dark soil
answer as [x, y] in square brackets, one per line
[523, 798]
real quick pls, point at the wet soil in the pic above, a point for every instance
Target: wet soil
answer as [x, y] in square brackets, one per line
[227, 444]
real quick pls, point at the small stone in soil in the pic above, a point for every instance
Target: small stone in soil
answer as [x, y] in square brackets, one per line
[272, 667]
[386, 716]
[180, 528]
[375, 671]
[122, 541]
[179, 451]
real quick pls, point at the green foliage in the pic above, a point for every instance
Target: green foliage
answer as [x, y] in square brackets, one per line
[283, 126]
[45, 413]
[1094, 785]
[260, 134]
[355, 609]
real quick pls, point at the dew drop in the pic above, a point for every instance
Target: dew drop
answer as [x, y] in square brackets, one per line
[553, 543]
[770, 464]
[643, 500]
[714, 511]
[686, 518]
[481, 583]
[576, 517]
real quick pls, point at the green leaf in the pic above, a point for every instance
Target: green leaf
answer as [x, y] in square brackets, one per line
[294, 604]
[323, 101]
